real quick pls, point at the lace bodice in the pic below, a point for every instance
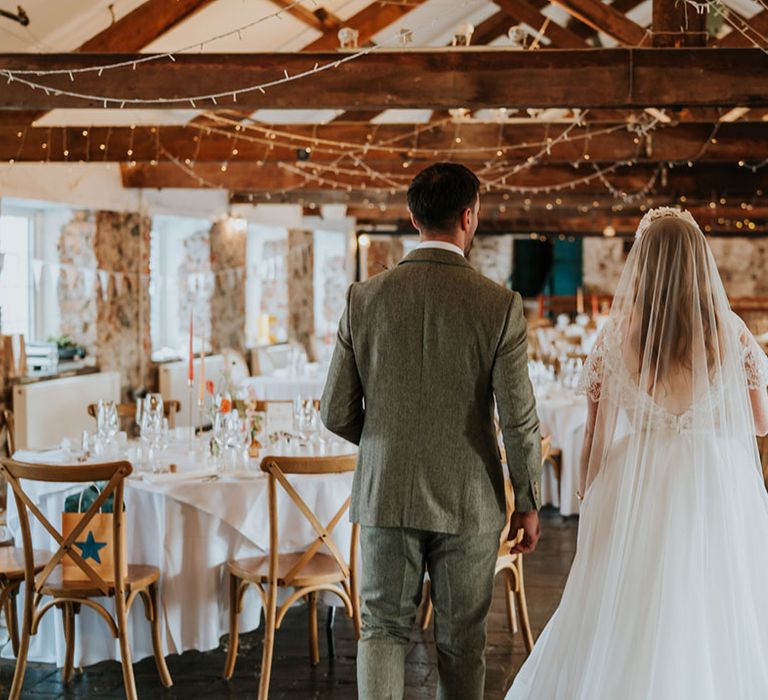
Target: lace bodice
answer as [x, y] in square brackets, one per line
[605, 375]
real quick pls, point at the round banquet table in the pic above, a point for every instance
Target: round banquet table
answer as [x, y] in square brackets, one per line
[563, 415]
[281, 385]
[188, 526]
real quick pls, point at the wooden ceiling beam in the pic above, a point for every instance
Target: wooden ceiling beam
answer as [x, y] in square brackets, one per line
[590, 33]
[756, 31]
[320, 18]
[136, 30]
[368, 22]
[701, 180]
[523, 11]
[551, 226]
[142, 26]
[489, 30]
[607, 19]
[678, 24]
[479, 143]
[428, 79]
[495, 26]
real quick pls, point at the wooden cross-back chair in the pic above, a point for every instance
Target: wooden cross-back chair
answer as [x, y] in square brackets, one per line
[68, 595]
[128, 410]
[511, 565]
[264, 405]
[10, 431]
[309, 572]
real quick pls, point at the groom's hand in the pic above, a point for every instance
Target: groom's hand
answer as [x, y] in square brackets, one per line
[531, 531]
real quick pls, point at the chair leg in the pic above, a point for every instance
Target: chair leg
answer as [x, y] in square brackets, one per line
[21, 662]
[234, 634]
[509, 599]
[314, 650]
[329, 622]
[12, 620]
[125, 648]
[426, 597]
[522, 607]
[270, 618]
[355, 596]
[68, 616]
[157, 645]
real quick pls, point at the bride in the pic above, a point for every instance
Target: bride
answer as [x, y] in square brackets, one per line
[666, 598]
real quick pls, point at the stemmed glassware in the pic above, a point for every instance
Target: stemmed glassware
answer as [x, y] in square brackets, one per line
[153, 427]
[106, 424]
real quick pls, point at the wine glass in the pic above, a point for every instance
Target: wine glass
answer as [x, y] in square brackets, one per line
[153, 404]
[112, 423]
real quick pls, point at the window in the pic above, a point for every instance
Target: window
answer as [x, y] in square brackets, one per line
[15, 287]
[266, 300]
[330, 281]
[33, 280]
[180, 266]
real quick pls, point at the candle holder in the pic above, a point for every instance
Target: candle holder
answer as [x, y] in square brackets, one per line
[190, 387]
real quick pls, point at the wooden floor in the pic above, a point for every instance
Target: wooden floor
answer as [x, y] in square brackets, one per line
[198, 675]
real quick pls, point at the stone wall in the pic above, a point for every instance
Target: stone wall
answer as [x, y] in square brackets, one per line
[742, 263]
[121, 247]
[228, 262]
[384, 253]
[301, 297]
[493, 256]
[603, 260]
[77, 288]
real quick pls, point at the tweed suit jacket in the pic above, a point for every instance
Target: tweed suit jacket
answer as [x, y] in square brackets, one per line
[422, 349]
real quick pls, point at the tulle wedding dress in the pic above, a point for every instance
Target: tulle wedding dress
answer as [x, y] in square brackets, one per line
[667, 598]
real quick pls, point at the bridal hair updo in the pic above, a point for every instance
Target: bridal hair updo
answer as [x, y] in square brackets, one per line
[673, 294]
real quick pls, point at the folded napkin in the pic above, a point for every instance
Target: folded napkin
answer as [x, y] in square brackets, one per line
[52, 456]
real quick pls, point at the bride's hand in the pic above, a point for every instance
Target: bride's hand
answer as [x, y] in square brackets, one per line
[531, 531]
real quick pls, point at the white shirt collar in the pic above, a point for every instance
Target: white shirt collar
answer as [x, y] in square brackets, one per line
[440, 245]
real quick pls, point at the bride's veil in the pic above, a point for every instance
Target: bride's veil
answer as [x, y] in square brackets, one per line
[671, 367]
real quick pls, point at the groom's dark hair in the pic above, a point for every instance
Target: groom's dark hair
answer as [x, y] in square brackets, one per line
[440, 193]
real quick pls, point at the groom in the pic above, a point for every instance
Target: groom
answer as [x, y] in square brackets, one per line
[422, 350]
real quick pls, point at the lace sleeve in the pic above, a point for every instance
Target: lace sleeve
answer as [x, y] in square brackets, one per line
[755, 366]
[753, 358]
[591, 379]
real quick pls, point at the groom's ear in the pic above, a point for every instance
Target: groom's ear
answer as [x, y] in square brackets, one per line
[413, 222]
[466, 219]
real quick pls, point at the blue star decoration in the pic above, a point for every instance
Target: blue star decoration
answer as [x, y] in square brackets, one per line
[90, 548]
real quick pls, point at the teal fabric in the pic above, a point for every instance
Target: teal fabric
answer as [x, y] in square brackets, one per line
[81, 502]
[422, 350]
[461, 570]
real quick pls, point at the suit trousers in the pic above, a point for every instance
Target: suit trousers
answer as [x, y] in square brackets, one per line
[461, 570]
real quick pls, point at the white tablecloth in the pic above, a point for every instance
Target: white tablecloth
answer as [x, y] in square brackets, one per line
[282, 386]
[563, 415]
[188, 528]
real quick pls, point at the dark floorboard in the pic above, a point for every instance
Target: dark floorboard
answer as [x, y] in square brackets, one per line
[198, 675]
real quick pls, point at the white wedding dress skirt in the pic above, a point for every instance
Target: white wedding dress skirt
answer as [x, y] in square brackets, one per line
[668, 595]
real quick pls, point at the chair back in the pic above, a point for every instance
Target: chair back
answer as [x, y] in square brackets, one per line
[278, 468]
[128, 410]
[10, 430]
[263, 406]
[113, 473]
